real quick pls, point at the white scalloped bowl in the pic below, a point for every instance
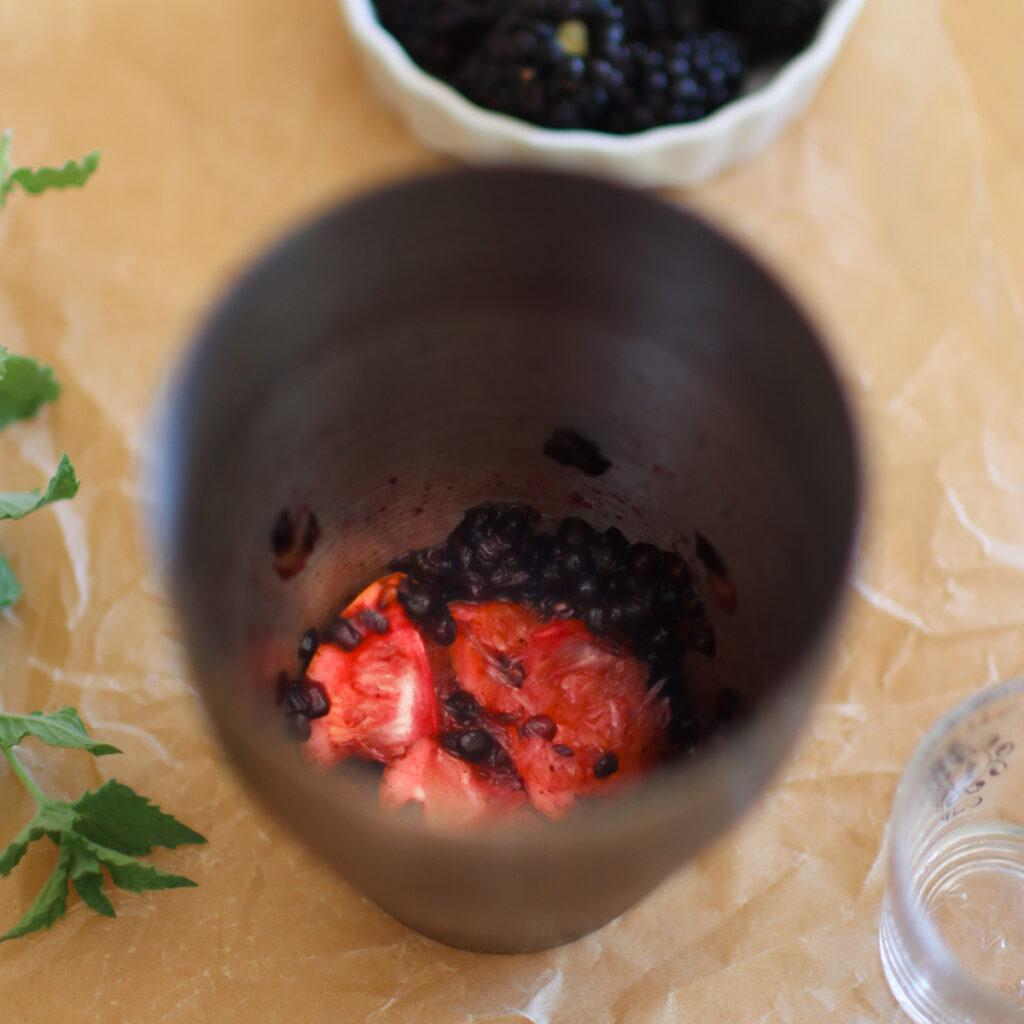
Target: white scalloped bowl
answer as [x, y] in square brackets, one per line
[683, 154]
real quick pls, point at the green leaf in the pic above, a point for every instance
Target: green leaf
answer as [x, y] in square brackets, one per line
[24, 386]
[87, 877]
[5, 162]
[135, 875]
[54, 819]
[63, 484]
[49, 905]
[10, 858]
[61, 728]
[10, 588]
[119, 818]
[73, 174]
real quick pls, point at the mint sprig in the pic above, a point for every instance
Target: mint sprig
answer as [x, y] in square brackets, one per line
[110, 828]
[63, 484]
[72, 174]
[10, 588]
[26, 385]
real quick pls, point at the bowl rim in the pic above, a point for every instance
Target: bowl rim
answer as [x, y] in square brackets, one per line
[810, 62]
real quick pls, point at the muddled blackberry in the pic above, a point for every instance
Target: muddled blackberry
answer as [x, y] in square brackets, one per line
[676, 81]
[635, 594]
[556, 63]
[657, 19]
[772, 28]
[569, 448]
[438, 34]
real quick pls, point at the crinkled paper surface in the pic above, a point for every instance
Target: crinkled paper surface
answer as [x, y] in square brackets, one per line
[895, 208]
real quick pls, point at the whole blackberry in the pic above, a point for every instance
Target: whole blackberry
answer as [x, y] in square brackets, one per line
[438, 34]
[771, 28]
[556, 63]
[678, 81]
[648, 20]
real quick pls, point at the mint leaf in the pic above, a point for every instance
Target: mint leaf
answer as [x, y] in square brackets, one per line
[73, 174]
[10, 588]
[5, 161]
[132, 874]
[49, 906]
[100, 829]
[63, 484]
[11, 857]
[61, 728]
[117, 817]
[24, 386]
[87, 878]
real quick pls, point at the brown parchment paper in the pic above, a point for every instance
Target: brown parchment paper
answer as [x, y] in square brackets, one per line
[895, 208]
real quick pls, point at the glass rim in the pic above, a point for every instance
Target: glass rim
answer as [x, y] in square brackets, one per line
[899, 888]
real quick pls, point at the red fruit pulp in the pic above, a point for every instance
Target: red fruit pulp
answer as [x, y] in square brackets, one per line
[381, 693]
[569, 714]
[598, 698]
[450, 791]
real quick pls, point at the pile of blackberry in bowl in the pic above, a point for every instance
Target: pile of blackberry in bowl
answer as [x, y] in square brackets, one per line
[613, 66]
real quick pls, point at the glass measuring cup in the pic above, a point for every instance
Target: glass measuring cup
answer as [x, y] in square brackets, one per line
[952, 925]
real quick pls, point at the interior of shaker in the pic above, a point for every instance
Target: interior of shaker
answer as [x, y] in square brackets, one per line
[407, 357]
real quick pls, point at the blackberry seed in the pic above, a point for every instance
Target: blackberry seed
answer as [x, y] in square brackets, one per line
[475, 586]
[608, 764]
[405, 562]
[374, 621]
[345, 633]
[575, 561]
[588, 589]
[491, 550]
[667, 599]
[307, 645]
[606, 559]
[573, 532]
[296, 701]
[551, 575]
[615, 540]
[512, 670]
[282, 536]
[418, 602]
[691, 603]
[644, 563]
[450, 741]
[540, 726]
[462, 706]
[566, 447]
[444, 630]
[464, 556]
[509, 579]
[475, 745]
[319, 704]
